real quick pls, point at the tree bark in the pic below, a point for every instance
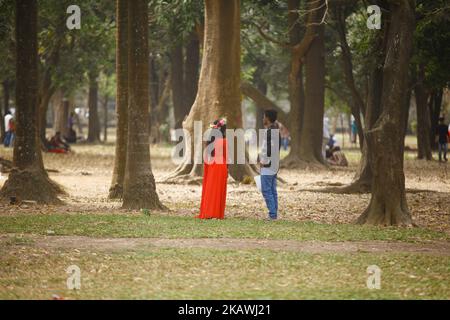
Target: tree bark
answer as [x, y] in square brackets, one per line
[177, 71]
[139, 184]
[311, 133]
[105, 117]
[191, 71]
[435, 105]
[28, 179]
[116, 189]
[219, 84]
[94, 123]
[261, 100]
[388, 204]
[301, 152]
[62, 114]
[423, 117]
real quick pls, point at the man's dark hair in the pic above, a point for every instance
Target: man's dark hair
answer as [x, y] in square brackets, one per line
[8, 111]
[271, 115]
[441, 119]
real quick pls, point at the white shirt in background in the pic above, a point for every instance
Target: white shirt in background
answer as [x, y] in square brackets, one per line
[7, 118]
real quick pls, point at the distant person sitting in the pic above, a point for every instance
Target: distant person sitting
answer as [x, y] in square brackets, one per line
[57, 145]
[443, 138]
[336, 157]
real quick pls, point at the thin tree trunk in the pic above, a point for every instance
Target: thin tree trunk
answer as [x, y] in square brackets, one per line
[357, 105]
[435, 105]
[105, 118]
[116, 189]
[94, 123]
[388, 204]
[139, 184]
[62, 115]
[423, 117]
[177, 72]
[28, 180]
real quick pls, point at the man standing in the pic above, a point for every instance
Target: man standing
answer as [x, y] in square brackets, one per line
[269, 159]
[443, 139]
[9, 129]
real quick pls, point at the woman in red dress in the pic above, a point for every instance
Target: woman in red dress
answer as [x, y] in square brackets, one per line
[215, 174]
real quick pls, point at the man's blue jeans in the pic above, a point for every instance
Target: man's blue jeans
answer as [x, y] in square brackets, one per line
[8, 138]
[269, 191]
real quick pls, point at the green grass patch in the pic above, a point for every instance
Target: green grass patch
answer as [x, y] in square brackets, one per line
[220, 274]
[154, 225]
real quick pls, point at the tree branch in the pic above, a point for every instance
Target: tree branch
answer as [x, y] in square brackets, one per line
[261, 100]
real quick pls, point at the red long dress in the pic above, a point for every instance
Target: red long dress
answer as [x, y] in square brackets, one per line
[214, 190]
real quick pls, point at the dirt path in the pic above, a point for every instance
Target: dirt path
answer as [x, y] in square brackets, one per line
[440, 248]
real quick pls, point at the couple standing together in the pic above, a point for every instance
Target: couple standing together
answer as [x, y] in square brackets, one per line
[215, 170]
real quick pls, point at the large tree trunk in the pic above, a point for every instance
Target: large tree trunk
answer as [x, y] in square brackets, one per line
[423, 117]
[303, 149]
[139, 184]
[388, 204]
[219, 84]
[116, 189]
[191, 71]
[94, 123]
[28, 180]
[312, 127]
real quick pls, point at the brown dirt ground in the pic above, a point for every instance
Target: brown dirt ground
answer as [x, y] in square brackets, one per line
[86, 176]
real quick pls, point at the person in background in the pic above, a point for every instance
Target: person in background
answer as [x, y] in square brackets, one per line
[9, 129]
[354, 129]
[443, 138]
[326, 137]
[284, 133]
[57, 145]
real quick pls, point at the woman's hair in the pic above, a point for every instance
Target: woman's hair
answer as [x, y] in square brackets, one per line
[219, 124]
